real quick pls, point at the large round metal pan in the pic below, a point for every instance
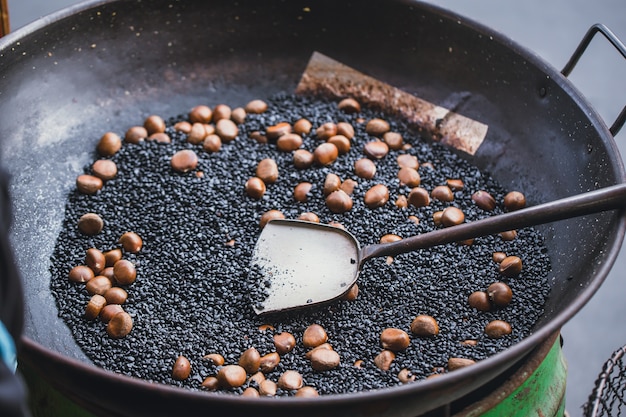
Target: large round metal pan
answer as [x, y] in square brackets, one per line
[66, 79]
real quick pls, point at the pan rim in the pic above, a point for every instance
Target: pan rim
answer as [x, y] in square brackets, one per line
[15, 36]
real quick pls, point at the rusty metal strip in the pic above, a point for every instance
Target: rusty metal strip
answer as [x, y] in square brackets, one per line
[328, 77]
[4, 18]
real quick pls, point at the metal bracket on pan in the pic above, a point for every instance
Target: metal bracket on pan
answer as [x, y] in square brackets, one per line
[619, 45]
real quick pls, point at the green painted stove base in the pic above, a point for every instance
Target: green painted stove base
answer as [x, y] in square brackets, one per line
[536, 389]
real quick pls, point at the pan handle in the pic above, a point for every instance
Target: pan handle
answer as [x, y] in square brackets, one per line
[4, 18]
[610, 36]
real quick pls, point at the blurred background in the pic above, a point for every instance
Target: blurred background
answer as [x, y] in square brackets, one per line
[552, 30]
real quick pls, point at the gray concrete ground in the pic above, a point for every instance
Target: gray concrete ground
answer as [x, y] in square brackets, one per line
[552, 29]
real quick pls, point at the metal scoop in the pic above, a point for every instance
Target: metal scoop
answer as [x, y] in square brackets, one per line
[301, 264]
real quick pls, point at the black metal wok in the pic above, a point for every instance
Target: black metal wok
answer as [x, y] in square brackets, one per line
[106, 65]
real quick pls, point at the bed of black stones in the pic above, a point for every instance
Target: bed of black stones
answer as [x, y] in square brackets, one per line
[191, 293]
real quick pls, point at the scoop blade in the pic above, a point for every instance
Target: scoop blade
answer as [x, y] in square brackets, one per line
[299, 264]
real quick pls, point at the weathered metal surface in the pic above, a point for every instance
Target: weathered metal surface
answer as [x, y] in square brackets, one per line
[326, 76]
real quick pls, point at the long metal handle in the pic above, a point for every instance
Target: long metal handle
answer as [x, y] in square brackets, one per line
[604, 199]
[4, 18]
[610, 36]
